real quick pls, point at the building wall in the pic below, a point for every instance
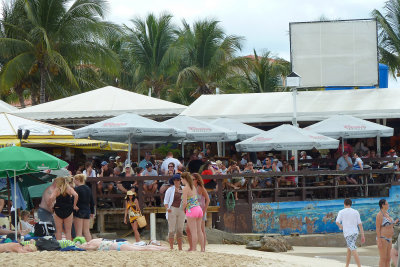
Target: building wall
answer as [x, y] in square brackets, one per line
[312, 217]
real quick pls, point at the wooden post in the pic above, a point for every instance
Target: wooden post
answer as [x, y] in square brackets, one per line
[94, 192]
[249, 192]
[365, 180]
[335, 183]
[221, 202]
[276, 191]
[140, 194]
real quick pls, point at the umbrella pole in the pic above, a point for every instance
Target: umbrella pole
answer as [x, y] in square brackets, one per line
[296, 161]
[129, 150]
[219, 149]
[138, 152]
[378, 146]
[223, 149]
[183, 150]
[15, 204]
[342, 145]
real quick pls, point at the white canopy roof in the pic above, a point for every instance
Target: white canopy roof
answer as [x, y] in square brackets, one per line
[350, 127]
[5, 107]
[9, 125]
[129, 126]
[311, 105]
[243, 131]
[286, 137]
[197, 130]
[103, 102]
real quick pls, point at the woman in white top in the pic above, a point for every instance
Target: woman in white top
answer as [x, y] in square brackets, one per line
[89, 172]
[175, 214]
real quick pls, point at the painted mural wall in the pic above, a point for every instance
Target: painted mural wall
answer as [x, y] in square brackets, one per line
[309, 217]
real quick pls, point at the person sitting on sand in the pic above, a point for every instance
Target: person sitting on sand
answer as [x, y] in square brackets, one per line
[106, 245]
[25, 225]
[17, 247]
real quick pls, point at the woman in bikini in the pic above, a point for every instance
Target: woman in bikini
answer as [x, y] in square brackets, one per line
[204, 201]
[194, 213]
[384, 233]
[133, 210]
[64, 198]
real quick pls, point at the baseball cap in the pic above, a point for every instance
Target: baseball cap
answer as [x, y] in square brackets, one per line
[111, 158]
[127, 165]
[103, 163]
[174, 177]
[148, 165]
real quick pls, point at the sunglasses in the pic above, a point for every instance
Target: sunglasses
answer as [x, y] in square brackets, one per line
[170, 166]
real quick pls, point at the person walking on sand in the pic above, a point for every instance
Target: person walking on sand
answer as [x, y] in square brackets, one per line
[384, 233]
[347, 220]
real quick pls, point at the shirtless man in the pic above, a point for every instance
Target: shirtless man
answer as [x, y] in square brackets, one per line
[45, 212]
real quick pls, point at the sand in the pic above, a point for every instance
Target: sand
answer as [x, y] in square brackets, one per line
[216, 255]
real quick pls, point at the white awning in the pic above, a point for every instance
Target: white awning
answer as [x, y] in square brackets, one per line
[311, 105]
[346, 126]
[243, 131]
[5, 107]
[108, 101]
[286, 137]
[197, 130]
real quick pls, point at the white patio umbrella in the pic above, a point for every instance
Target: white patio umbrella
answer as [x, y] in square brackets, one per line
[346, 126]
[286, 137]
[200, 131]
[130, 128]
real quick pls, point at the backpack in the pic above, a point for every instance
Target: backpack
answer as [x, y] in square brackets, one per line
[44, 229]
[47, 244]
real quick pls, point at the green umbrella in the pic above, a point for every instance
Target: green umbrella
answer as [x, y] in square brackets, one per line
[17, 160]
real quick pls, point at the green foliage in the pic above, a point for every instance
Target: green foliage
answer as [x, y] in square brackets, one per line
[164, 149]
[389, 35]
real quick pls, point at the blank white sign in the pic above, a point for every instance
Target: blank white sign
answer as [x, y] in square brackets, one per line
[335, 53]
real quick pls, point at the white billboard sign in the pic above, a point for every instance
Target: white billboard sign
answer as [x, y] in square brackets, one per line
[335, 53]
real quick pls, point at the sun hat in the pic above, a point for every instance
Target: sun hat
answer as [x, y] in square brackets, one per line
[218, 162]
[270, 155]
[130, 193]
[127, 166]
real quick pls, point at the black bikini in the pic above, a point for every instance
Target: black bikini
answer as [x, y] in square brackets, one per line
[64, 206]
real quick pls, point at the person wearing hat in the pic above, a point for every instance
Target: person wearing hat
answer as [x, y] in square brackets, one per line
[175, 214]
[132, 209]
[111, 163]
[391, 153]
[146, 160]
[119, 162]
[149, 186]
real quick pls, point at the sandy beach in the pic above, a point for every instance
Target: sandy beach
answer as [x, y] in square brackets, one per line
[216, 255]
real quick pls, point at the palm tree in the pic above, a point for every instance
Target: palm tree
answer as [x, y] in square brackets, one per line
[150, 43]
[207, 55]
[389, 35]
[60, 39]
[264, 73]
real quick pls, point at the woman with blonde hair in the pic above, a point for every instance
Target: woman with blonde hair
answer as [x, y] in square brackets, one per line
[204, 201]
[86, 207]
[194, 213]
[64, 199]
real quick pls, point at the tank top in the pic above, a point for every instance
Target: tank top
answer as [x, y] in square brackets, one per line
[201, 199]
[177, 199]
[192, 202]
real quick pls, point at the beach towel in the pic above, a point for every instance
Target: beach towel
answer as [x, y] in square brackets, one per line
[72, 248]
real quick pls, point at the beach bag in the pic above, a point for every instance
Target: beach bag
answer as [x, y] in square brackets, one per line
[141, 220]
[47, 244]
[44, 229]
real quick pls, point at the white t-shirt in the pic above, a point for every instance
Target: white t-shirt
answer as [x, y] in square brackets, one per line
[92, 174]
[164, 165]
[350, 219]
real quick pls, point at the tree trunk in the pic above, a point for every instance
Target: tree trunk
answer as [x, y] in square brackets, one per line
[20, 92]
[42, 84]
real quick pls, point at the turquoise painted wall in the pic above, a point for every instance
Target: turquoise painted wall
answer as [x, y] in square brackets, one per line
[312, 217]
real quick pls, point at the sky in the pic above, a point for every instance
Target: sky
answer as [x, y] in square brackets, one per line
[263, 23]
